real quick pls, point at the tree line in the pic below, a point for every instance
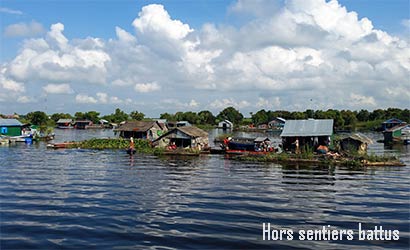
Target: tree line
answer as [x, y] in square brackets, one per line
[343, 119]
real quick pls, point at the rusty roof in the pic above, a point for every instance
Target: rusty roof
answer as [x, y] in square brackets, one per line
[136, 126]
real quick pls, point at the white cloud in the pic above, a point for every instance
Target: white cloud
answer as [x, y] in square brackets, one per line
[146, 87]
[85, 99]
[102, 97]
[154, 20]
[25, 99]
[276, 59]
[362, 101]
[406, 23]
[10, 11]
[24, 29]
[58, 88]
[55, 59]
[11, 85]
[227, 102]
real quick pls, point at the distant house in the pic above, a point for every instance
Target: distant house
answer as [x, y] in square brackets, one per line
[183, 137]
[10, 127]
[310, 133]
[225, 124]
[65, 123]
[277, 123]
[183, 123]
[149, 130]
[355, 142]
[82, 124]
[391, 123]
[397, 134]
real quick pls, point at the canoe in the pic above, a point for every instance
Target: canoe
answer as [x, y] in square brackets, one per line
[245, 152]
[61, 145]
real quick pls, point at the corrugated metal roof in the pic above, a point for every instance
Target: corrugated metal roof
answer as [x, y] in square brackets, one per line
[10, 122]
[64, 121]
[311, 127]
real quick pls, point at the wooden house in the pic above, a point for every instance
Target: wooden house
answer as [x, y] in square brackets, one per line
[354, 143]
[391, 123]
[397, 134]
[306, 133]
[82, 124]
[184, 137]
[65, 123]
[149, 130]
[183, 124]
[225, 124]
[10, 127]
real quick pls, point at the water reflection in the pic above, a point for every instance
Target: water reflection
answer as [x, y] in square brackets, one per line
[54, 199]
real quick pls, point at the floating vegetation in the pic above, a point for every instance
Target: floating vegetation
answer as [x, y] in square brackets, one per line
[141, 146]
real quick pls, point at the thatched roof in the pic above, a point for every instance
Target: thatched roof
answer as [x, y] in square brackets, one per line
[190, 131]
[193, 131]
[136, 126]
[358, 137]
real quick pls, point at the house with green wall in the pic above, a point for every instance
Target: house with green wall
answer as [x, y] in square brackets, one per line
[10, 127]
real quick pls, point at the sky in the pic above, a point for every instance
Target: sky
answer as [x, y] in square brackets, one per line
[193, 55]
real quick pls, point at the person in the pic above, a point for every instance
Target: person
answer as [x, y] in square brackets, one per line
[132, 145]
[322, 149]
[297, 150]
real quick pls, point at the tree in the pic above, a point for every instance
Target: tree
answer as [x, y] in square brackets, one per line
[92, 116]
[57, 116]
[230, 114]
[37, 118]
[363, 115]
[135, 115]
[79, 116]
[349, 118]
[206, 117]
[167, 117]
[191, 117]
[260, 117]
[119, 116]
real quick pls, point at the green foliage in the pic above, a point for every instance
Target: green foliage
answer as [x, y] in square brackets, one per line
[230, 114]
[141, 146]
[138, 116]
[37, 118]
[206, 117]
[306, 152]
[117, 117]
[57, 116]
[260, 117]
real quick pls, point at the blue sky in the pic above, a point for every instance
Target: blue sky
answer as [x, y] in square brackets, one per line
[205, 54]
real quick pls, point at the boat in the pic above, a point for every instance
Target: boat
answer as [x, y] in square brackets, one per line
[4, 140]
[259, 145]
[245, 152]
[61, 145]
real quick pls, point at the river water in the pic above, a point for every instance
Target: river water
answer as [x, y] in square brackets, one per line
[90, 199]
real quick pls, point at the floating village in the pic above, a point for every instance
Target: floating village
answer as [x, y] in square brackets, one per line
[310, 141]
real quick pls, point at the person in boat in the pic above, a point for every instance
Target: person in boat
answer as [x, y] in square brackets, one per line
[226, 142]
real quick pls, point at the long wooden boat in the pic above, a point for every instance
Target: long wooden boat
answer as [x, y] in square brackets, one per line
[245, 152]
[61, 145]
